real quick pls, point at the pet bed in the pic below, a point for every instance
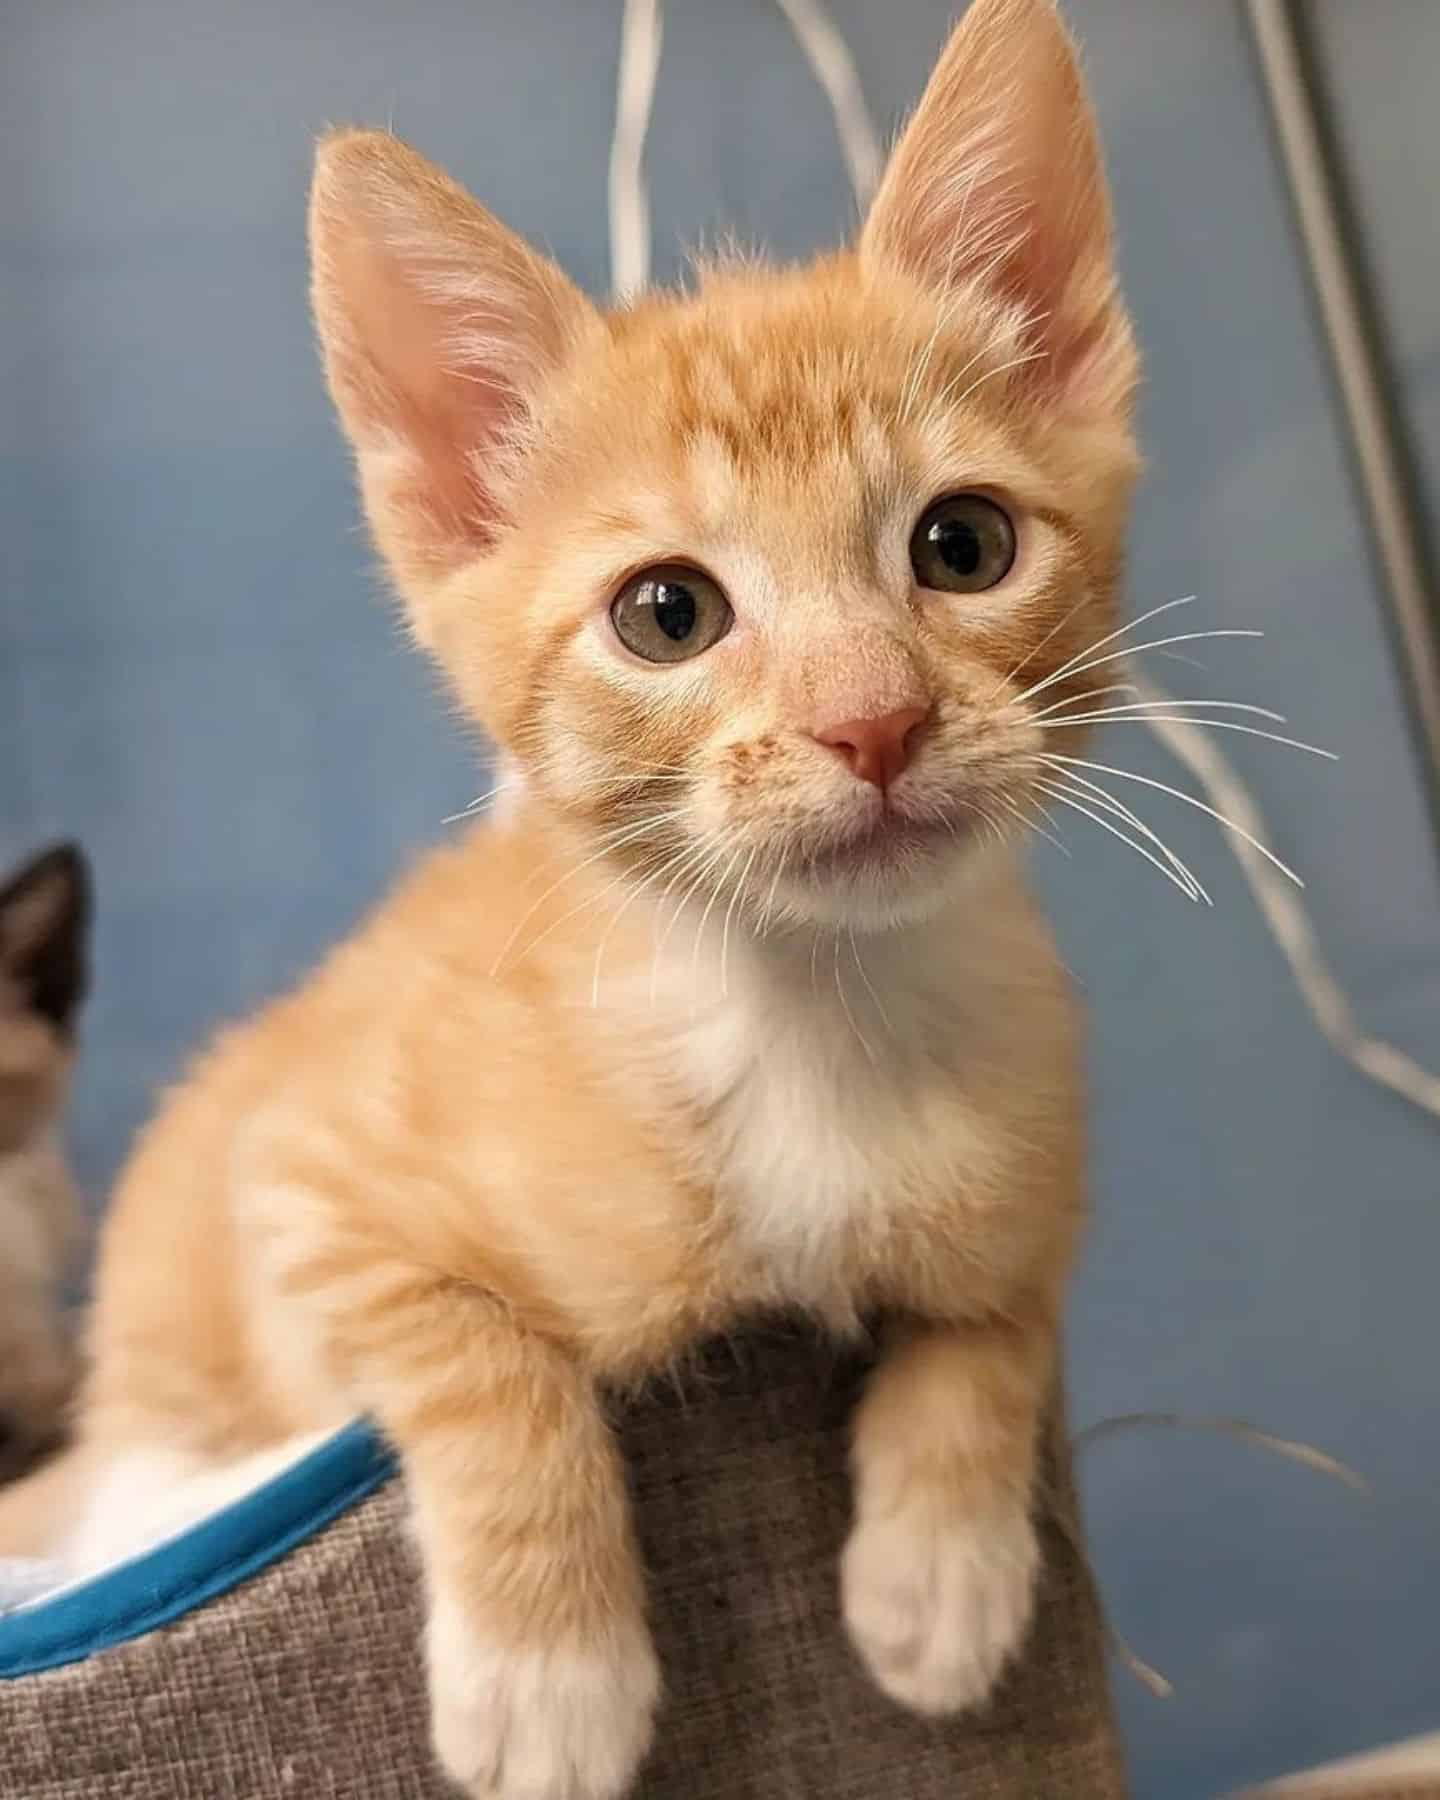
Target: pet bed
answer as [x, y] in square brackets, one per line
[272, 1650]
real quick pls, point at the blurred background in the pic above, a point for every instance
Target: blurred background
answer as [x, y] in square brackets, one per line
[201, 679]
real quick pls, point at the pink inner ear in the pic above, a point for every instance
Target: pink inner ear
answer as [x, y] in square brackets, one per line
[439, 325]
[999, 179]
[405, 393]
[1063, 281]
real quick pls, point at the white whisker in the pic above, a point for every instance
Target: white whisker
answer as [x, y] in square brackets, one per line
[700, 928]
[860, 1037]
[1118, 809]
[1070, 799]
[612, 840]
[729, 915]
[1030, 825]
[1113, 717]
[869, 985]
[697, 861]
[1035, 650]
[1122, 710]
[1087, 698]
[666, 864]
[480, 802]
[1046, 813]
[1099, 662]
[588, 904]
[1109, 638]
[769, 908]
[1189, 800]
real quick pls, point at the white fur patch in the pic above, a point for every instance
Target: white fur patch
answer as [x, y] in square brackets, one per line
[145, 1496]
[800, 1135]
[555, 1724]
[936, 1605]
[832, 1111]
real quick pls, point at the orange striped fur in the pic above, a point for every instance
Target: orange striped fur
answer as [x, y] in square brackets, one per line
[697, 1023]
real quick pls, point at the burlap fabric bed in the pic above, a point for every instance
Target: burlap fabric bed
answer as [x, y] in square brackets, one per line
[1427, 1789]
[1420, 1788]
[306, 1681]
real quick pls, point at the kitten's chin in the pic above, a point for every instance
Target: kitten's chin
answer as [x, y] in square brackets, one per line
[887, 883]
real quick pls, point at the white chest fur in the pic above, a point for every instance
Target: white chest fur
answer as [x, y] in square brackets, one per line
[831, 1079]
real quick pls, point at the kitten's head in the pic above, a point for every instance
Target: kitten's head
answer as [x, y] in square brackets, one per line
[769, 580]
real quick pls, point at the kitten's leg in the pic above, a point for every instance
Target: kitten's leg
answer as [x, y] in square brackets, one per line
[939, 1574]
[543, 1680]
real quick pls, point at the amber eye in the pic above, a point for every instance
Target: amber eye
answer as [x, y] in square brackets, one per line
[962, 545]
[670, 613]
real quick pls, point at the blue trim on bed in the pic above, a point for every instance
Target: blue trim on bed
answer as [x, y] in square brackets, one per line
[209, 1559]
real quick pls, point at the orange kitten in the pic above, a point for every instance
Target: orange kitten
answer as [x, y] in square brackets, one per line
[739, 1002]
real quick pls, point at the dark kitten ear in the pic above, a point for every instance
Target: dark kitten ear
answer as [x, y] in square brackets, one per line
[45, 933]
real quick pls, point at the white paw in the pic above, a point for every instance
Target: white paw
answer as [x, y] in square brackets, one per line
[937, 1605]
[533, 1724]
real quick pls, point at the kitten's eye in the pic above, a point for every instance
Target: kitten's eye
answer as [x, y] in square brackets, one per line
[962, 545]
[670, 613]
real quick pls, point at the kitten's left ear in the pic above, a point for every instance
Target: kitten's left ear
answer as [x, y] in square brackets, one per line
[439, 327]
[44, 934]
[998, 179]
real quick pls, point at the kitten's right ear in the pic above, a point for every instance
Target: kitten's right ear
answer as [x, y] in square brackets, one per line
[44, 934]
[439, 326]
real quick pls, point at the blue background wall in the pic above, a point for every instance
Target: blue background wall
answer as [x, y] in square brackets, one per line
[199, 677]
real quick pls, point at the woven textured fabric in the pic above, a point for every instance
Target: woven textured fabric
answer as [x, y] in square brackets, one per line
[1403, 1787]
[307, 1680]
[1422, 1787]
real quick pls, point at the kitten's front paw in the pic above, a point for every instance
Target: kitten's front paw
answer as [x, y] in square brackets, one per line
[937, 1605]
[540, 1724]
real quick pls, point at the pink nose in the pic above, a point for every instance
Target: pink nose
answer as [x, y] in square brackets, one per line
[876, 749]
